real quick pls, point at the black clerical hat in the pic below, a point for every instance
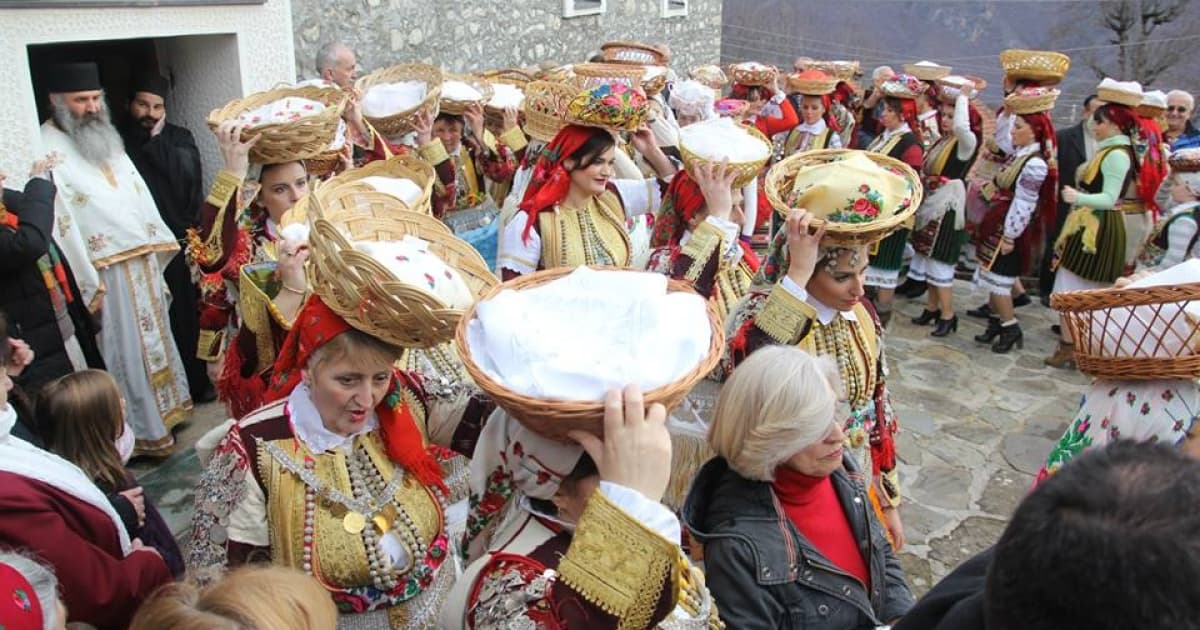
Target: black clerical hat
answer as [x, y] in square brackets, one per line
[151, 82]
[73, 77]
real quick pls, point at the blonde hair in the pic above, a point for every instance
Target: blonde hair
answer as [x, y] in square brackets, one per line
[83, 420]
[362, 349]
[778, 401]
[250, 598]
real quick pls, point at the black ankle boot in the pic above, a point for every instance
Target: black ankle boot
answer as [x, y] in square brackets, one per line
[926, 318]
[912, 288]
[945, 327]
[1009, 336]
[983, 312]
[993, 331]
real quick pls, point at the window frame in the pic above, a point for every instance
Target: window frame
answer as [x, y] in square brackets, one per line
[667, 11]
[572, 10]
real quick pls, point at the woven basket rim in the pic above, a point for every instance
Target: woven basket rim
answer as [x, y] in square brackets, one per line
[810, 87]
[1128, 99]
[848, 233]
[517, 404]
[398, 122]
[457, 107]
[660, 55]
[1081, 307]
[406, 163]
[927, 73]
[746, 170]
[274, 145]
[843, 70]
[539, 124]
[764, 76]
[1019, 104]
[1038, 65]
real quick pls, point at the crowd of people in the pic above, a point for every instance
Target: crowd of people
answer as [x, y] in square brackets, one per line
[388, 490]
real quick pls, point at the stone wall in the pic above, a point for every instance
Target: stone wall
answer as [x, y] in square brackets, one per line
[462, 35]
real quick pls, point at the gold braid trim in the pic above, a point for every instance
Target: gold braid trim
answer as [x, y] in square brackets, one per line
[434, 152]
[223, 188]
[211, 345]
[514, 139]
[618, 564]
[785, 317]
[206, 249]
[702, 246]
[889, 485]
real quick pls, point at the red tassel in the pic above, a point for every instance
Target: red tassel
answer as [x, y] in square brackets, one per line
[403, 440]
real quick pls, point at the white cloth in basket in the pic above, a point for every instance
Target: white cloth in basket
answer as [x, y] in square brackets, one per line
[459, 91]
[410, 260]
[506, 95]
[577, 336]
[402, 188]
[386, 99]
[284, 110]
[721, 138]
[1178, 331]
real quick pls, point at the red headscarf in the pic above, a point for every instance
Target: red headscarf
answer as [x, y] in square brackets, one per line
[680, 204]
[1154, 163]
[1047, 208]
[551, 181]
[908, 112]
[19, 605]
[317, 325]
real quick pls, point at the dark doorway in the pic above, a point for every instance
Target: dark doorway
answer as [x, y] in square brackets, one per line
[119, 61]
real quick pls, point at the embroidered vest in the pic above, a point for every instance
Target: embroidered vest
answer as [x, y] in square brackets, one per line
[803, 141]
[894, 146]
[595, 235]
[855, 347]
[942, 159]
[338, 557]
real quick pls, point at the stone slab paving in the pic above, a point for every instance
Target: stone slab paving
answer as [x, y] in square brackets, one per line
[976, 428]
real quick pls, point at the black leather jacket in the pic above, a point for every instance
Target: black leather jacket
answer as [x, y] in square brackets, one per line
[764, 574]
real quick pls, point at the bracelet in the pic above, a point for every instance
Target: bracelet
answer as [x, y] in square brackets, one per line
[296, 291]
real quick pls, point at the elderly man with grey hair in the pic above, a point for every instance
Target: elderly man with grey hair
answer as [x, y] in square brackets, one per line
[873, 106]
[116, 242]
[337, 64]
[1180, 132]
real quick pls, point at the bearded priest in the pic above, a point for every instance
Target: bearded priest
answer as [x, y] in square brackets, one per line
[115, 240]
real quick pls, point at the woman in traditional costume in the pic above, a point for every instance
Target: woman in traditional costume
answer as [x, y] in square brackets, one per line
[573, 211]
[899, 140]
[809, 293]
[1175, 238]
[787, 543]
[558, 537]
[335, 476]
[928, 112]
[251, 278]
[768, 109]
[940, 227]
[696, 239]
[811, 94]
[1090, 250]
[1151, 152]
[692, 102]
[1023, 197]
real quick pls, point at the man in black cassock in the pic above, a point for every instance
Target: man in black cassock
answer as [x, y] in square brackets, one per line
[167, 158]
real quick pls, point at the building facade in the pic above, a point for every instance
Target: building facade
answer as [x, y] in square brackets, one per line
[462, 35]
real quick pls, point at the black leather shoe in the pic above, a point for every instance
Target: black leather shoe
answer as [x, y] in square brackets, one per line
[1022, 300]
[993, 331]
[945, 327]
[1009, 336]
[983, 312]
[912, 289]
[926, 318]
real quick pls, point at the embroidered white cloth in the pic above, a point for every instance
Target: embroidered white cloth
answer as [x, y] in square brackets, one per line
[506, 95]
[721, 138]
[578, 336]
[284, 110]
[411, 261]
[386, 99]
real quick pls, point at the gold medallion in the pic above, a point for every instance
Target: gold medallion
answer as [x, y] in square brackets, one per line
[381, 523]
[354, 522]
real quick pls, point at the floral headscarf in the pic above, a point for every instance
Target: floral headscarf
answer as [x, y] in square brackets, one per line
[551, 181]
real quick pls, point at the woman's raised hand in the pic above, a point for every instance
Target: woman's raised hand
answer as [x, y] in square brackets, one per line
[636, 449]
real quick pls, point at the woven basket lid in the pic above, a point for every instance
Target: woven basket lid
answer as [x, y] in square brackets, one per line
[904, 86]
[1031, 100]
[926, 70]
[858, 196]
[810, 83]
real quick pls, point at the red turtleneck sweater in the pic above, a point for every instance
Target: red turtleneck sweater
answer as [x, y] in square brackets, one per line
[812, 505]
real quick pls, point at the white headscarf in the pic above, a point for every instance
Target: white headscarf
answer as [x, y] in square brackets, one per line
[692, 98]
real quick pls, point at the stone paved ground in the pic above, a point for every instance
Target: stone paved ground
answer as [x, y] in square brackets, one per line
[976, 427]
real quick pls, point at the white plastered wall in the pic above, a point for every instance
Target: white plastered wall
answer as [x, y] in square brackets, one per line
[221, 52]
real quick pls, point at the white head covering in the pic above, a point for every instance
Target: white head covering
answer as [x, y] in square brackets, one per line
[692, 98]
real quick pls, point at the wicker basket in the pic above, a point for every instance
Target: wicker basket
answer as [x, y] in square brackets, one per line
[555, 418]
[1042, 66]
[367, 295]
[840, 70]
[1120, 97]
[746, 171]
[780, 178]
[654, 85]
[299, 139]
[1106, 348]
[335, 193]
[634, 53]
[926, 72]
[323, 164]
[1019, 103]
[753, 76]
[513, 76]
[589, 75]
[458, 108]
[401, 122]
[546, 108]
[809, 87]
